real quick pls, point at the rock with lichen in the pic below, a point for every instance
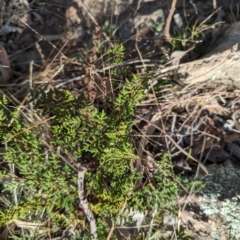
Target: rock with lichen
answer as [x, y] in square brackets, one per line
[214, 212]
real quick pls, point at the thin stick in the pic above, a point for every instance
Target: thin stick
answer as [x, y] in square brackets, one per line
[169, 19]
[42, 37]
[84, 202]
[214, 4]
[98, 28]
[112, 228]
[154, 124]
[140, 55]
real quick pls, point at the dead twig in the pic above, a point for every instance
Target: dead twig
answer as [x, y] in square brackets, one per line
[152, 125]
[214, 4]
[83, 202]
[42, 38]
[169, 19]
[98, 28]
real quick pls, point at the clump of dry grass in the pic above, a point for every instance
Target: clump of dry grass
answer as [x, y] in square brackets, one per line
[198, 123]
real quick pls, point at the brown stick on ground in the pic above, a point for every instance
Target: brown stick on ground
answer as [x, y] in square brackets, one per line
[169, 19]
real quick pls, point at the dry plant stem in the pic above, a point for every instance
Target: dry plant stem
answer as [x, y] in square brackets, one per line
[179, 55]
[183, 151]
[195, 111]
[235, 119]
[84, 202]
[160, 71]
[11, 227]
[31, 86]
[153, 125]
[116, 233]
[12, 172]
[41, 37]
[99, 71]
[214, 4]
[59, 52]
[140, 55]
[98, 28]
[201, 25]
[112, 228]
[59, 155]
[163, 126]
[149, 131]
[125, 64]
[24, 130]
[192, 188]
[169, 19]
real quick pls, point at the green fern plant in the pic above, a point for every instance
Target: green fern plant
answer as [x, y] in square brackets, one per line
[46, 141]
[46, 164]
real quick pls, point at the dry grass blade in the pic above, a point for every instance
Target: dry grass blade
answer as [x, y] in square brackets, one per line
[200, 124]
[10, 227]
[181, 149]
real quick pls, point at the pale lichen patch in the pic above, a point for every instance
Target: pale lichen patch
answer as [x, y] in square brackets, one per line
[223, 192]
